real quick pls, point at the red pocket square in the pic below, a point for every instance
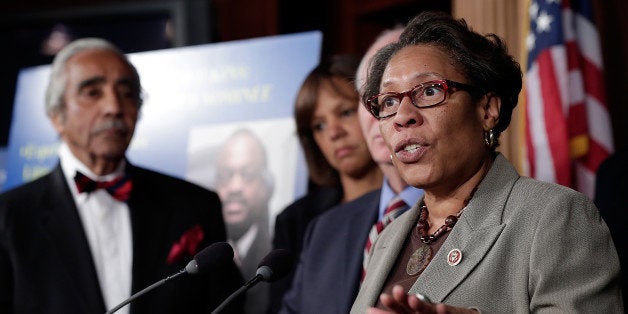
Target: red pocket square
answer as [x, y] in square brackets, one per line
[187, 245]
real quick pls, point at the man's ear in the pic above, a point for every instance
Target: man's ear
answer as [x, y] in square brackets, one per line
[491, 105]
[58, 121]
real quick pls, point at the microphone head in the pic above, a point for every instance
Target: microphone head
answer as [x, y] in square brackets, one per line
[217, 254]
[275, 265]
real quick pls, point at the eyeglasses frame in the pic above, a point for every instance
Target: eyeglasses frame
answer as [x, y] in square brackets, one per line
[448, 84]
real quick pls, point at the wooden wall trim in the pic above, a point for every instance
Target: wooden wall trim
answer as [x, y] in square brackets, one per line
[505, 19]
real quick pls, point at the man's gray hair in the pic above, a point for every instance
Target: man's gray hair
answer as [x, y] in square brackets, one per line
[58, 80]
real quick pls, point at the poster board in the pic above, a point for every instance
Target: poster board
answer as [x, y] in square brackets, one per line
[193, 96]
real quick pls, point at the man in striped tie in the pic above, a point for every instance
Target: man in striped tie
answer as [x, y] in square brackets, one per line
[330, 267]
[395, 208]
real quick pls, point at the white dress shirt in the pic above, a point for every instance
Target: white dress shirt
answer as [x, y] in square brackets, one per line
[107, 225]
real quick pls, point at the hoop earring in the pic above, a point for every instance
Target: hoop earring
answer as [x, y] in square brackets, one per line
[489, 139]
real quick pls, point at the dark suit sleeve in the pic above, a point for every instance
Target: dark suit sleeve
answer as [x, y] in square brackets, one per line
[163, 210]
[290, 301]
[220, 281]
[281, 240]
[290, 228]
[6, 277]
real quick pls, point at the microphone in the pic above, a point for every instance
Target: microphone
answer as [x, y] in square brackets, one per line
[273, 266]
[216, 254]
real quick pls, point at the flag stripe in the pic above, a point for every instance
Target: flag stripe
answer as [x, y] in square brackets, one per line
[536, 136]
[552, 87]
[568, 131]
[593, 82]
[599, 122]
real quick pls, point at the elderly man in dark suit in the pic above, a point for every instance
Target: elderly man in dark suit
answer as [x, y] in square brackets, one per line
[97, 229]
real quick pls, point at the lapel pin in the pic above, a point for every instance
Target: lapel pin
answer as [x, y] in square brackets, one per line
[454, 257]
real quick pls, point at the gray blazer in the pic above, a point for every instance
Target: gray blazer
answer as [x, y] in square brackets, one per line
[527, 247]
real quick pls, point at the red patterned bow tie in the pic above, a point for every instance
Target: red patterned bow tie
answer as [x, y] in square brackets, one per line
[119, 188]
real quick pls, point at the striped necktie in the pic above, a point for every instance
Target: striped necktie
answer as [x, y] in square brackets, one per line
[395, 208]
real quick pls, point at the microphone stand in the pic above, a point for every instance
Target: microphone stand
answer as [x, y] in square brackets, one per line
[143, 291]
[245, 287]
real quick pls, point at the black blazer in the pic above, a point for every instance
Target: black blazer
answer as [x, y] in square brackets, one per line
[46, 265]
[290, 225]
[329, 270]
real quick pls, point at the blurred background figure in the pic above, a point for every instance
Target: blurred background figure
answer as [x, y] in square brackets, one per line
[339, 163]
[245, 186]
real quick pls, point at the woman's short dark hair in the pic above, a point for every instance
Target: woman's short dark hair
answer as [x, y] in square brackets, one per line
[482, 59]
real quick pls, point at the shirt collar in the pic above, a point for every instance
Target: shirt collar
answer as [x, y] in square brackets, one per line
[70, 165]
[410, 195]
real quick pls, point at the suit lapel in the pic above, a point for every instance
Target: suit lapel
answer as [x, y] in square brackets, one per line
[478, 228]
[64, 229]
[439, 278]
[362, 217]
[149, 221]
[391, 242]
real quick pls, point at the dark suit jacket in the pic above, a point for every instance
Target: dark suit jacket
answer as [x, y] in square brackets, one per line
[46, 265]
[328, 273]
[611, 197]
[290, 227]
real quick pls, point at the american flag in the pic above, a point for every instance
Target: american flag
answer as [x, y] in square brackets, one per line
[568, 127]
